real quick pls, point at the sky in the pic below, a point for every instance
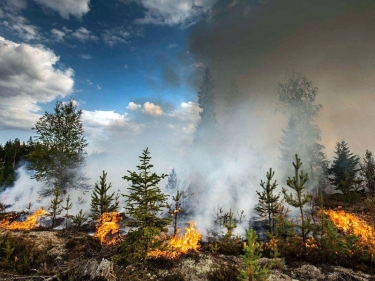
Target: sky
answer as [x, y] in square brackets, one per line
[134, 68]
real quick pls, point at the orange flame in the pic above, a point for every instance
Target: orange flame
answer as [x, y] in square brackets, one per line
[107, 229]
[29, 223]
[350, 223]
[179, 244]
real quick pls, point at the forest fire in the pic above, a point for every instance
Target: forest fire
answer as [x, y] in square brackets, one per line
[350, 223]
[107, 229]
[29, 223]
[179, 244]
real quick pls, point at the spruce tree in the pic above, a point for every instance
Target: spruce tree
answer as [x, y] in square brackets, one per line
[299, 199]
[344, 167]
[101, 201]
[368, 172]
[144, 205]
[297, 101]
[268, 202]
[207, 125]
[174, 210]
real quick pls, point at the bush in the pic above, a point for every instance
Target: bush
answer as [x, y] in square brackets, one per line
[223, 271]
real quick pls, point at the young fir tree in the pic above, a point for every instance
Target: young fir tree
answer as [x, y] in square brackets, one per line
[344, 167]
[55, 208]
[368, 172]
[251, 269]
[300, 199]
[144, 205]
[101, 201]
[230, 224]
[268, 202]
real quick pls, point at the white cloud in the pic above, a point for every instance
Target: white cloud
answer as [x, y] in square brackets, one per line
[152, 109]
[171, 46]
[98, 87]
[66, 8]
[28, 76]
[115, 36]
[126, 66]
[188, 111]
[21, 27]
[133, 106]
[82, 34]
[85, 57]
[58, 34]
[174, 12]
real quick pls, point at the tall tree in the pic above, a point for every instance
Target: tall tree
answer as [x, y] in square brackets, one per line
[344, 167]
[59, 151]
[297, 101]
[144, 205]
[368, 172]
[101, 201]
[207, 125]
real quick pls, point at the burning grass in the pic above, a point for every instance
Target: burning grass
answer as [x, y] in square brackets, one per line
[178, 244]
[31, 222]
[107, 229]
[351, 224]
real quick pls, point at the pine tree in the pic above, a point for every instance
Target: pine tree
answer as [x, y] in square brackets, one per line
[207, 125]
[268, 202]
[59, 150]
[300, 199]
[55, 208]
[175, 209]
[101, 201]
[368, 172]
[344, 167]
[144, 205]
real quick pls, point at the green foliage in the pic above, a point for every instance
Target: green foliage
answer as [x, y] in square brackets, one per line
[144, 205]
[79, 219]
[12, 153]
[101, 201]
[59, 150]
[299, 199]
[55, 208]
[344, 168]
[230, 224]
[251, 269]
[268, 202]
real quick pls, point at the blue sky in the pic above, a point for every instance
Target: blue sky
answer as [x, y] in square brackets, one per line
[134, 66]
[106, 55]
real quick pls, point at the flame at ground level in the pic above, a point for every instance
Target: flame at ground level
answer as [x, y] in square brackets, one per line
[29, 223]
[107, 229]
[179, 244]
[350, 223]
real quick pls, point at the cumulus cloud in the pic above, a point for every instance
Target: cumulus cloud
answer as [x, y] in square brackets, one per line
[65, 8]
[28, 76]
[174, 12]
[188, 111]
[133, 106]
[83, 34]
[152, 109]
